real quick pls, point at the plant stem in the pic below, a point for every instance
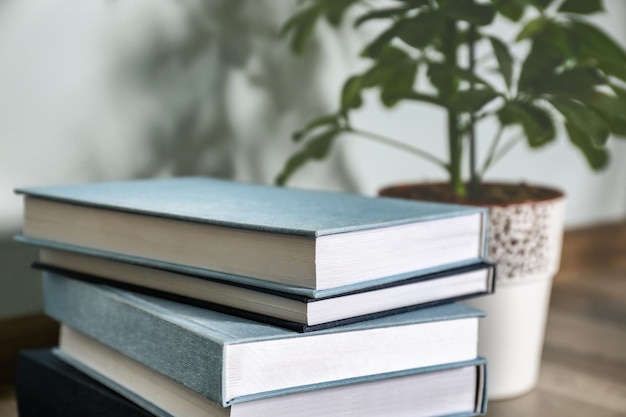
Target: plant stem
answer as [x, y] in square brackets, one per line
[492, 150]
[472, 131]
[506, 148]
[449, 42]
[400, 145]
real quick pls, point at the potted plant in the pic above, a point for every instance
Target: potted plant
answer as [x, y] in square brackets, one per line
[569, 77]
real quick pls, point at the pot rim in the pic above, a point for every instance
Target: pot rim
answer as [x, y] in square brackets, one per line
[555, 194]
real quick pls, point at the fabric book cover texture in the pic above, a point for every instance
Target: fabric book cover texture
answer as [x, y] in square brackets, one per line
[229, 359]
[264, 235]
[48, 387]
[455, 389]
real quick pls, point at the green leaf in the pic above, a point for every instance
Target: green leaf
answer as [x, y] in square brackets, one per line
[390, 56]
[351, 93]
[444, 71]
[470, 77]
[374, 48]
[576, 82]
[336, 9]
[541, 4]
[541, 61]
[550, 34]
[619, 91]
[376, 76]
[316, 148]
[442, 75]
[511, 9]
[612, 69]
[535, 121]
[424, 98]
[442, 79]
[399, 83]
[611, 109]
[329, 119]
[505, 60]
[597, 158]
[418, 3]
[596, 44]
[389, 61]
[422, 29]
[386, 13]
[391, 98]
[479, 14]
[584, 119]
[470, 101]
[581, 6]
[301, 26]
[532, 28]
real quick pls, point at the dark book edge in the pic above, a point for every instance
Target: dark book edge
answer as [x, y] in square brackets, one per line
[273, 321]
[481, 390]
[386, 313]
[48, 386]
[489, 267]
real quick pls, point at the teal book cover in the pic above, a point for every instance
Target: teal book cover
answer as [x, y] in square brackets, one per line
[243, 205]
[453, 390]
[228, 359]
[291, 311]
[288, 239]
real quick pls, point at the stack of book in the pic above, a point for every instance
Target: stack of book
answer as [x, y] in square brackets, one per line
[206, 297]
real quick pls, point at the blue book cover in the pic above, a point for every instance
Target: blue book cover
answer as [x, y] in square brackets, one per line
[292, 238]
[295, 312]
[228, 359]
[454, 389]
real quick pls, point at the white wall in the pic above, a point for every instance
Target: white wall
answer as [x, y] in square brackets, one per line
[104, 89]
[101, 90]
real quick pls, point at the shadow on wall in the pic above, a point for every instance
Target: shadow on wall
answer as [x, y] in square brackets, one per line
[109, 90]
[260, 93]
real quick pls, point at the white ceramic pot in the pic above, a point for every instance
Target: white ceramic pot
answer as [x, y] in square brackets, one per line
[525, 242]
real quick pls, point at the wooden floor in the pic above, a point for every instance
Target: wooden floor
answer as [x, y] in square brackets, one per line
[583, 371]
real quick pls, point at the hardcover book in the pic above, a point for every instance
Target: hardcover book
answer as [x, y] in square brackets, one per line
[296, 312]
[454, 389]
[256, 234]
[46, 386]
[228, 359]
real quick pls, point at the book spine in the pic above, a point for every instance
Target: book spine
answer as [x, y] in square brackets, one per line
[137, 332]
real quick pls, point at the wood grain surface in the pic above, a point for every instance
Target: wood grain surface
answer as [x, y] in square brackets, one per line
[583, 371]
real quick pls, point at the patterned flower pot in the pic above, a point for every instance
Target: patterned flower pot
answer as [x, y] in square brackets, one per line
[525, 242]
